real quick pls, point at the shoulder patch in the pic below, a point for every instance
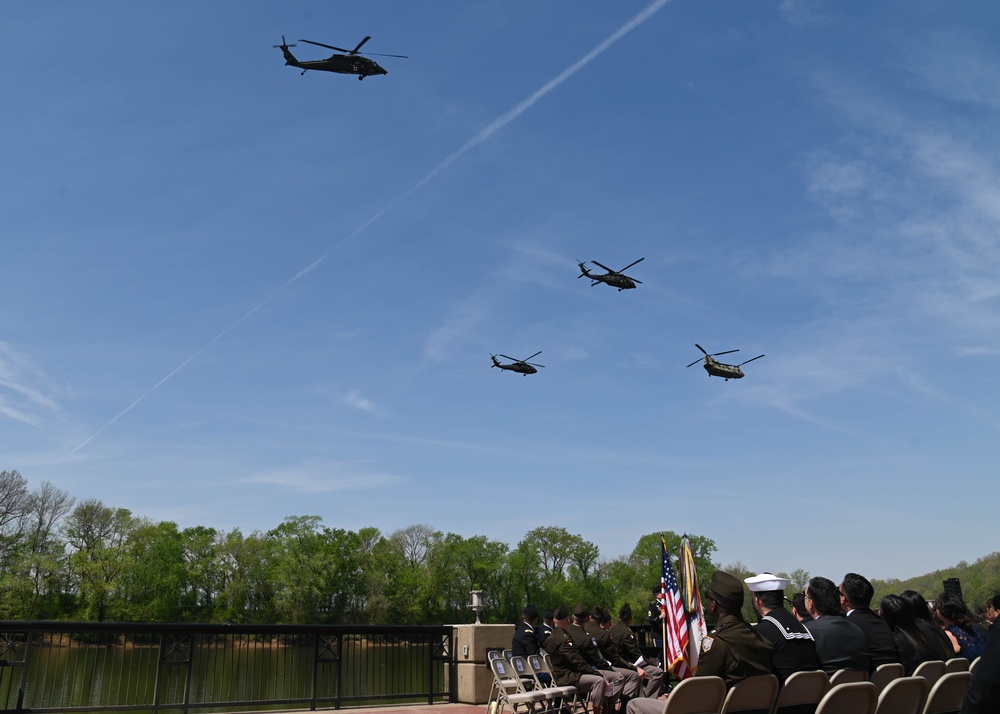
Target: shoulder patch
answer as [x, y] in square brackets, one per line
[706, 644]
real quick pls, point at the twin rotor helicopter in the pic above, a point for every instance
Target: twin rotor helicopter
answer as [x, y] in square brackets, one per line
[618, 279]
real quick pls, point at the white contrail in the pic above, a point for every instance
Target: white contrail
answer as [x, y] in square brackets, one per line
[475, 141]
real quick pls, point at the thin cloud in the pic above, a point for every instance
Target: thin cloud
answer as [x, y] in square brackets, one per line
[802, 13]
[323, 478]
[354, 399]
[23, 387]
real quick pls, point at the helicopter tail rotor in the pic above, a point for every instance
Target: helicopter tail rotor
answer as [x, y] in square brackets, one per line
[284, 45]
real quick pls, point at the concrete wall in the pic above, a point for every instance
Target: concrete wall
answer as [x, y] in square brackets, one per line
[471, 644]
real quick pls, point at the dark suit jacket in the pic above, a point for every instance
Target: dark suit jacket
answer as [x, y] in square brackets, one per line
[525, 641]
[983, 696]
[881, 648]
[839, 644]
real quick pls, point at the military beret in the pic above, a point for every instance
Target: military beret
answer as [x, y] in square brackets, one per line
[726, 590]
[765, 582]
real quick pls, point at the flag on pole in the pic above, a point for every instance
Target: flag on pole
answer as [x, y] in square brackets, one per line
[697, 630]
[674, 617]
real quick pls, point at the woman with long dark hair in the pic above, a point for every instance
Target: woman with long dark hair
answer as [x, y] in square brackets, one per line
[913, 644]
[958, 625]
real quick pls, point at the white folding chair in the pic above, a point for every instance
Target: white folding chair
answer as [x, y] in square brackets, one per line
[932, 671]
[754, 695]
[905, 695]
[802, 692]
[508, 688]
[957, 664]
[556, 697]
[885, 673]
[849, 698]
[845, 676]
[696, 695]
[948, 693]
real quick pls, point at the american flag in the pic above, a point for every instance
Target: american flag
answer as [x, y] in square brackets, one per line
[674, 617]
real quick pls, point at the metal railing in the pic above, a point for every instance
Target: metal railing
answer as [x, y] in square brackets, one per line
[147, 667]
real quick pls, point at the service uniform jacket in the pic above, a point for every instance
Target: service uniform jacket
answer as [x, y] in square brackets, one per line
[586, 645]
[881, 647]
[565, 660]
[840, 644]
[525, 641]
[734, 652]
[794, 647]
[626, 642]
[606, 644]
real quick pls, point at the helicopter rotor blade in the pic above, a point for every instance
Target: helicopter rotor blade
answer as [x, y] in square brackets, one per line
[283, 44]
[700, 348]
[360, 45]
[716, 354]
[749, 360]
[380, 54]
[633, 279]
[329, 47]
[534, 355]
[695, 362]
[630, 265]
[508, 357]
[603, 266]
[535, 364]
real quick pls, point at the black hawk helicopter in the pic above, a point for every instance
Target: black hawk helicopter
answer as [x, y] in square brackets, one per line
[614, 278]
[351, 62]
[715, 368]
[518, 365]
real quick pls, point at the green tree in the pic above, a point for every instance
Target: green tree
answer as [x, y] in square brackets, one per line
[98, 536]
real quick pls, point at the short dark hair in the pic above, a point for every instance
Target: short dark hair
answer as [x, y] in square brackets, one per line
[773, 599]
[547, 615]
[858, 591]
[994, 602]
[799, 604]
[825, 596]
[530, 612]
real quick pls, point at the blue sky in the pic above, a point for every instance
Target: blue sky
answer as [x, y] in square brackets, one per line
[234, 294]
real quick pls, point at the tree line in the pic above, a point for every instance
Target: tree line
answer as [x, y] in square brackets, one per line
[66, 560]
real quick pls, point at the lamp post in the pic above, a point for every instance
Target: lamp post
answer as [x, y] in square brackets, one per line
[476, 603]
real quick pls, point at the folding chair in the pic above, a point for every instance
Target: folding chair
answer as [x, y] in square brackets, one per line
[947, 695]
[974, 663]
[905, 695]
[932, 671]
[556, 697]
[885, 673]
[802, 692]
[754, 695]
[849, 698]
[846, 676]
[957, 664]
[696, 695]
[508, 688]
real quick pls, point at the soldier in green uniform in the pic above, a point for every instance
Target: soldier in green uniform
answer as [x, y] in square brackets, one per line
[630, 674]
[628, 649]
[569, 668]
[587, 646]
[732, 650]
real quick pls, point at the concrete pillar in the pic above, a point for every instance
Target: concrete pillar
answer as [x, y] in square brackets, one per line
[471, 644]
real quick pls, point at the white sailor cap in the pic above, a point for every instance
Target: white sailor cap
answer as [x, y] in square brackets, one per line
[765, 582]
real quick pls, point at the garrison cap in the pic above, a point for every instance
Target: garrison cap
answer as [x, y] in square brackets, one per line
[561, 613]
[581, 611]
[766, 582]
[625, 612]
[726, 590]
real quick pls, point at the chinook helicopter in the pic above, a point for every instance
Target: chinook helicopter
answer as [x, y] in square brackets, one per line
[715, 368]
[614, 278]
[523, 366]
[351, 62]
